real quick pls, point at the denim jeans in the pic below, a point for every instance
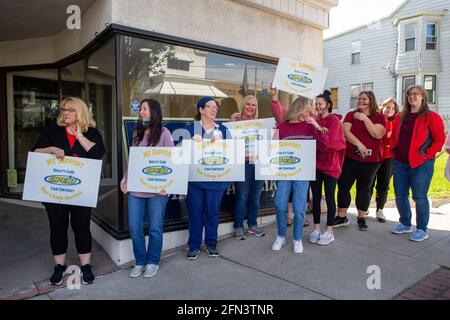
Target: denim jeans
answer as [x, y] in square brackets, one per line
[299, 191]
[203, 207]
[247, 199]
[418, 180]
[154, 208]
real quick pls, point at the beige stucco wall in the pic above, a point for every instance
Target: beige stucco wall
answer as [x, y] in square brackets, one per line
[221, 22]
[226, 23]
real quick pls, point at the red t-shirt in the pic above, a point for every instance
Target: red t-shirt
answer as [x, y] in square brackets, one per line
[72, 138]
[387, 141]
[359, 131]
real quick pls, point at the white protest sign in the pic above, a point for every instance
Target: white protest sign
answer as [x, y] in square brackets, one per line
[286, 160]
[300, 78]
[222, 160]
[152, 169]
[251, 131]
[73, 181]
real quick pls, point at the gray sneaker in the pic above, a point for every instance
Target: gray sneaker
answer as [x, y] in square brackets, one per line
[239, 234]
[256, 231]
[314, 237]
[380, 216]
[137, 271]
[151, 270]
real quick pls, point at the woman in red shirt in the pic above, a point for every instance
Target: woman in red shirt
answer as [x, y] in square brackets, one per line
[363, 130]
[384, 173]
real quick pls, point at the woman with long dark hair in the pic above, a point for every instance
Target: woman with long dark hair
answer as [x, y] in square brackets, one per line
[363, 130]
[328, 168]
[418, 135]
[149, 132]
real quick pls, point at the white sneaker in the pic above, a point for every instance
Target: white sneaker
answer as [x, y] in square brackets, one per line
[151, 270]
[314, 236]
[380, 216]
[137, 271]
[326, 238]
[298, 246]
[279, 242]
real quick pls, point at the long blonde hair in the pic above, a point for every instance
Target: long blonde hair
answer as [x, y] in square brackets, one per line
[84, 117]
[244, 102]
[297, 107]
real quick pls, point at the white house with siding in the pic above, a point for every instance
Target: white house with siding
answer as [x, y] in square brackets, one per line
[410, 46]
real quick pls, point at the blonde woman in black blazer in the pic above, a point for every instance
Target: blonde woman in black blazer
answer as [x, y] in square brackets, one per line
[73, 134]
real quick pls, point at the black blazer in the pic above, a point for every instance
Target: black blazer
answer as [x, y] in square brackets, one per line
[55, 136]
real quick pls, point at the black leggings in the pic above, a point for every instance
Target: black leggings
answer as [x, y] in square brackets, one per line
[364, 174]
[80, 219]
[383, 178]
[330, 188]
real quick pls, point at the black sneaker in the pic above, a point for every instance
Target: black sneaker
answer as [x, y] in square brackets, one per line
[212, 250]
[193, 254]
[86, 274]
[56, 278]
[340, 221]
[362, 225]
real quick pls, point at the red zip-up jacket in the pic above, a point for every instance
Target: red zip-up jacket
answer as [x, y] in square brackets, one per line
[330, 160]
[427, 139]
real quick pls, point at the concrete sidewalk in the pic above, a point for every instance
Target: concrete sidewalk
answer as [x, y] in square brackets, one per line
[251, 270]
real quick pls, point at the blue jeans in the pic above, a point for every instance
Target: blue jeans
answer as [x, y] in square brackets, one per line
[247, 199]
[299, 191]
[418, 180]
[154, 208]
[203, 207]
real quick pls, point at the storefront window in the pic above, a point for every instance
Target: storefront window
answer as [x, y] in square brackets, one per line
[33, 104]
[101, 75]
[178, 77]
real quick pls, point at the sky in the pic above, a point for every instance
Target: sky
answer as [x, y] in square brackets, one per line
[350, 14]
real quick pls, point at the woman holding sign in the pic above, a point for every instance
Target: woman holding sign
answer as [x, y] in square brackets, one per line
[248, 192]
[73, 134]
[204, 198]
[149, 132]
[298, 124]
[363, 130]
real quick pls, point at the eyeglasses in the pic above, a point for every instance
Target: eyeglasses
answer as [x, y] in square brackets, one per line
[212, 107]
[414, 94]
[68, 110]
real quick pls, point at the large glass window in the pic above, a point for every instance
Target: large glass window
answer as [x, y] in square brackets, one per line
[101, 78]
[431, 36]
[429, 82]
[33, 104]
[178, 77]
[410, 37]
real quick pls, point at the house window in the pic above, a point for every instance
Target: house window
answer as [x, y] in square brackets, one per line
[429, 82]
[178, 64]
[334, 97]
[367, 86]
[431, 36]
[355, 90]
[407, 82]
[356, 52]
[410, 37]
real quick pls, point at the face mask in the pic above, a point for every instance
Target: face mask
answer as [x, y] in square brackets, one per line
[146, 123]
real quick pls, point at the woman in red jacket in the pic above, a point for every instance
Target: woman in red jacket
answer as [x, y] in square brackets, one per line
[329, 167]
[389, 108]
[418, 135]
